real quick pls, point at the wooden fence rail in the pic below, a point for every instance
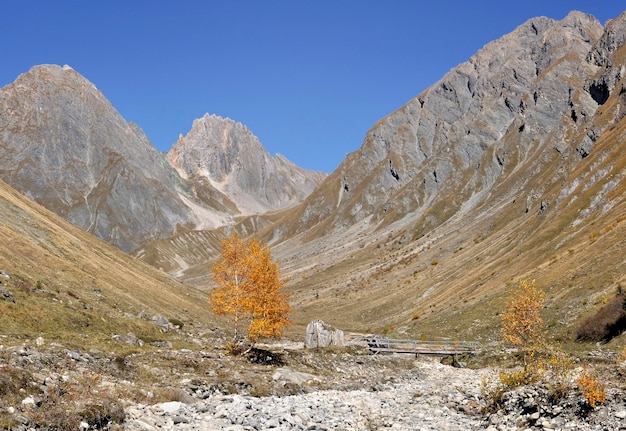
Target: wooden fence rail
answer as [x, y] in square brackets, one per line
[426, 347]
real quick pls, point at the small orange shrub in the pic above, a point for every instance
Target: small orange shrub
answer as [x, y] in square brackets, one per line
[591, 388]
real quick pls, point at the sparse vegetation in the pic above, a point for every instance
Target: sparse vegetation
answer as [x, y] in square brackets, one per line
[542, 364]
[522, 325]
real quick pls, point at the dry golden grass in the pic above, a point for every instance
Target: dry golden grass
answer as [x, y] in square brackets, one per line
[71, 287]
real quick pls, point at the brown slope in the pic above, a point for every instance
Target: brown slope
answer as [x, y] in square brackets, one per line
[74, 288]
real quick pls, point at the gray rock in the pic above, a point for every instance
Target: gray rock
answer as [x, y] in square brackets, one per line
[226, 152]
[74, 355]
[161, 321]
[129, 338]
[6, 294]
[161, 344]
[65, 146]
[320, 334]
[296, 377]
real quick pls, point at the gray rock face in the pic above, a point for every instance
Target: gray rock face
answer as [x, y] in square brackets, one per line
[492, 122]
[233, 161]
[66, 147]
[320, 334]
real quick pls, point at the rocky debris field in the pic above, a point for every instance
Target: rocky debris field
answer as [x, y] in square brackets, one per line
[50, 387]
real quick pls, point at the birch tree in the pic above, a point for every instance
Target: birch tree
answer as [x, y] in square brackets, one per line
[249, 292]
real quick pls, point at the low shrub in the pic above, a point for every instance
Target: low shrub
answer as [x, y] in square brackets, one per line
[176, 322]
[607, 323]
[591, 388]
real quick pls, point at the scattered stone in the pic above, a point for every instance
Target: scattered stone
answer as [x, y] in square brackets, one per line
[170, 407]
[161, 321]
[161, 344]
[74, 355]
[28, 401]
[292, 376]
[129, 338]
[6, 294]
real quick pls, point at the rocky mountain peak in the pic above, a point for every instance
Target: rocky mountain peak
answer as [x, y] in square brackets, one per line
[65, 146]
[454, 142]
[233, 160]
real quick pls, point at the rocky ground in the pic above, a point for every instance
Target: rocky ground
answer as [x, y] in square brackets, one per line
[49, 387]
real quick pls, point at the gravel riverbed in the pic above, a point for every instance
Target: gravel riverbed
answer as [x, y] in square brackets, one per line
[425, 395]
[291, 389]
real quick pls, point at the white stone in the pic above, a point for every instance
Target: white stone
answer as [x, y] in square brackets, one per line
[28, 401]
[170, 407]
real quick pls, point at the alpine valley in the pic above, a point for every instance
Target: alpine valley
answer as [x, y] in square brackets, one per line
[512, 166]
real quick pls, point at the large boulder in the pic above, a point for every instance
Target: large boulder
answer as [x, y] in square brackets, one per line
[320, 334]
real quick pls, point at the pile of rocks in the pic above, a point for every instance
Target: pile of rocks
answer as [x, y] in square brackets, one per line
[534, 407]
[429, 396]
[426, 395]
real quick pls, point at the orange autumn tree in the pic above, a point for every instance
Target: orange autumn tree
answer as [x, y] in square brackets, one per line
[522, 325]
[249, 291]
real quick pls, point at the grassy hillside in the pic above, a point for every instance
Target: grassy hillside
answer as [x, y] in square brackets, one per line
[72, 288]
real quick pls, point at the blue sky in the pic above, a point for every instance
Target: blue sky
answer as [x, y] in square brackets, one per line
[309, 78]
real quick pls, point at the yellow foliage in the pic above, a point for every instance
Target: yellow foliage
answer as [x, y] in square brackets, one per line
[591, 388]
[248, 290]
[522, 325]
[519, 377]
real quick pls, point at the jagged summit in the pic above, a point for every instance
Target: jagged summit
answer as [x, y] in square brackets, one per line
[65, 146]
[233, 160]
[451, 145]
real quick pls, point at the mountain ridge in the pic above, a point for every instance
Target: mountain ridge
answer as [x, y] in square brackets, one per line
[67, 147]
[508, 167]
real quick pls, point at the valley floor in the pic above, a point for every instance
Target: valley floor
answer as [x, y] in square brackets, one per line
[290, 389]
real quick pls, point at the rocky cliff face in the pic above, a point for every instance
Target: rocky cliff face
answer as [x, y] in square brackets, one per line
[232, 160]
[66, 147]
[511, 166]
[523, 98]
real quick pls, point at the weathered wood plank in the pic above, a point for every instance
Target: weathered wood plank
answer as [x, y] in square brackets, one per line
[427, 347]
